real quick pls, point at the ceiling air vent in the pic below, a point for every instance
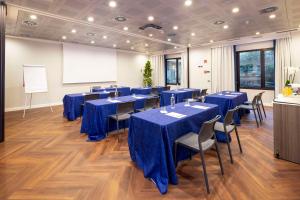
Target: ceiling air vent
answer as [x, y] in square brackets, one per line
[151, 26]
[120, 19]
[29, 23]
[268, 10]
[286, 31]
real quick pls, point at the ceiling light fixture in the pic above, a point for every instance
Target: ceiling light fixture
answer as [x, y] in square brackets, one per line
[90, 19]
[33, 17]
[219, 22]
[257, 33]
[112, 4]
[235, 10]
[150, 35]
[127, 41]
[104, 37]
[120, 19]
[92, 42]
[193, 34]
[150, 18]
[64, 37]
[169, 39]
[175, 47]
[211, 41]
[132, 48]
[189, 45]
[146, 45]
[188, 3]
[175, 27]
[114, 45]
[225, 26]
[73, 31]
[273, 16]
[125, 28]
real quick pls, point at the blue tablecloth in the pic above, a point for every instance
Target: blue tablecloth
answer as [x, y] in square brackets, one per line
[94, 120]
[180, 95]
[152, 135]
[144, 91]
[125, 91]
[72, 104]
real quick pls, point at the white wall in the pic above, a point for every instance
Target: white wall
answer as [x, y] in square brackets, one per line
[296, 56]
[20, 51]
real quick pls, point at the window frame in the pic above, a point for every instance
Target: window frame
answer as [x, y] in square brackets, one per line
[262, 66]
[166, 68]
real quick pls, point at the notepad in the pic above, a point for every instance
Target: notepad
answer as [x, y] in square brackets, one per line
[176, 115]
[230, 95]
[200, 107]
[236, 93]
[220, 94]
[114, 101]
[138, 97]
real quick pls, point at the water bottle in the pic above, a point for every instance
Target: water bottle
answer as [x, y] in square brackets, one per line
[172, 101]
[116, 92]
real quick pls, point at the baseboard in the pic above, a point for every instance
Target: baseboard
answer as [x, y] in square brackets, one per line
[33, 106]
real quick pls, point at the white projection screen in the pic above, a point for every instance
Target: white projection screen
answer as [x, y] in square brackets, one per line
[86, 64]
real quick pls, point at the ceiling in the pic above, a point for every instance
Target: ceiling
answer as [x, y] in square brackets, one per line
[56, 18]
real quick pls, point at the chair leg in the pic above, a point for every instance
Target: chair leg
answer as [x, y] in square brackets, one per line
[263, 107]
[118, 133]
[107, 127]
[238, 139]
[204, 171]
[219, 157]
[259, 114]
[229, 149]
[175, 154]
[256, 118]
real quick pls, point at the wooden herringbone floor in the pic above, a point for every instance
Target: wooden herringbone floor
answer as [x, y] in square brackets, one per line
[45, 157]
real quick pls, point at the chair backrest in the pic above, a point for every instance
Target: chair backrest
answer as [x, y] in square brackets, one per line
[89, 97]
[154, 91]
[113, 86]
[207, 130]
[151, 103]
[255, 100]
[203, 92]
[167, 88]
[125, 108]
[195, 94]
[113, 94]
[259, 96]
[228, 120]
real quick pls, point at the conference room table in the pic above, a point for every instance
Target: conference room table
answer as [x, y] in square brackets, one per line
[152, 135]
[72, 104]
[180, 95]
[124, 91]
[96, 113]
[146, 90]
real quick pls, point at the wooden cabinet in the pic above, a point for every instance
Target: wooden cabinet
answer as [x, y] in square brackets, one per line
[287, 131]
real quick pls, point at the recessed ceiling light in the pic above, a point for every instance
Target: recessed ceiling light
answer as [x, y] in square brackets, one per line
[132, 48]
[169, 39]
[114, 45]
[64, 37]
[73, 31]
[125, 28]
[193, 34]
[235, 10]
[247, 22]
[92, 42]
[225, 26]
[120, 19]
[150, 18]
[150, 35]
[273, 16]
[127, 41]
[33, 17]
[211, 41]
[188, 2]
[175, 27]
[104, 37]
[299, 26]
[257, 33]
[91, 34]
[189, 45]
[175, 47]
[90, 19]
[112, 4]
[146, 45]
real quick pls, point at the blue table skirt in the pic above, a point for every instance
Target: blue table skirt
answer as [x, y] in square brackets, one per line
[180, 96]
[152, 135]
[125, 91]
[95, 116]
[72, 104]
[226, 103]
[144, 91]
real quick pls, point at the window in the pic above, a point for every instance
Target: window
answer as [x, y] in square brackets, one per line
[256, 69]
[173, 71]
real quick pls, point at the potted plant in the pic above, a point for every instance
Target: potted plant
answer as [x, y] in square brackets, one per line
[147, 81]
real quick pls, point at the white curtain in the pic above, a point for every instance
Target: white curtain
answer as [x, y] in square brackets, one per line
[158, 64]
[184, 71]
[222, 68]
[283, 60]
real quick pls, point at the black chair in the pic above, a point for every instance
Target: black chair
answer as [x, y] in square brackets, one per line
[227, 127]
[124, 111]
[154, 92]
[203, 93]
[254, 107]
[260, 102]
[200, 143]
[88, 97]
[113, 94]
[150, 103]
[167, 88]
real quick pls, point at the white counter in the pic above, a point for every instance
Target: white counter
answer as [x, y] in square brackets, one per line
[293, 99]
